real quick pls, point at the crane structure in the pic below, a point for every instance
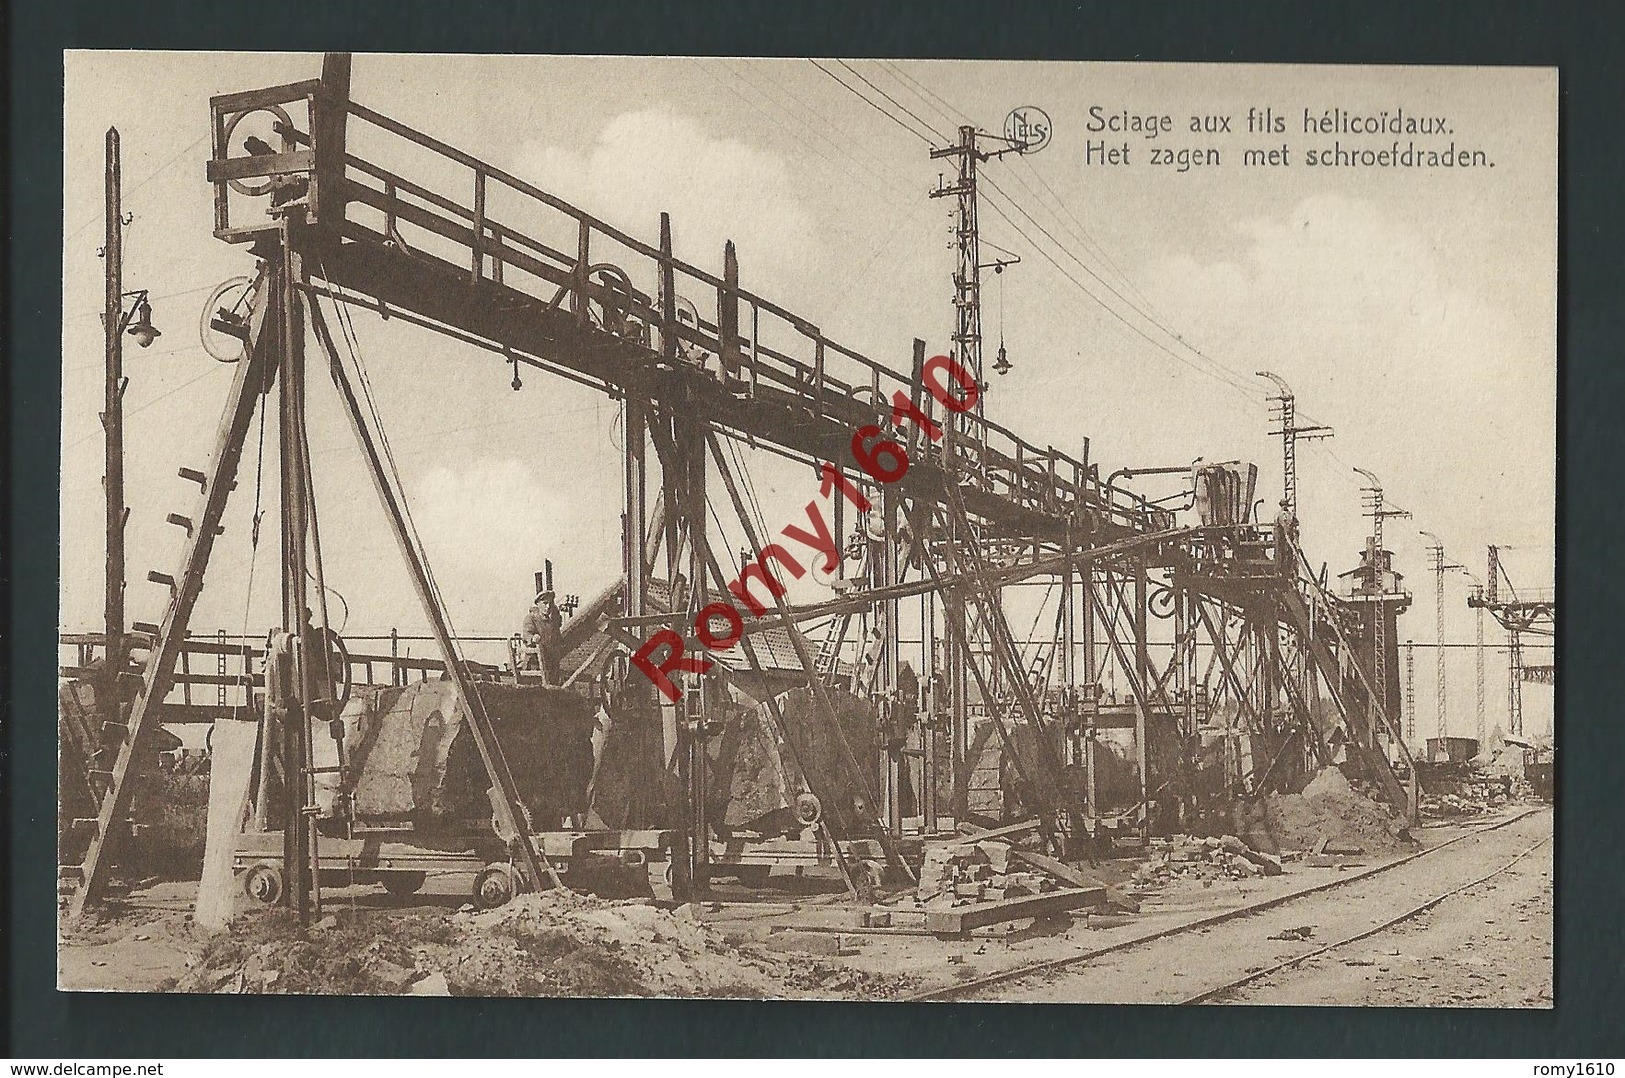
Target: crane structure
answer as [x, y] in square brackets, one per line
[1377, 563]
[1163, 691]
[1519, 616]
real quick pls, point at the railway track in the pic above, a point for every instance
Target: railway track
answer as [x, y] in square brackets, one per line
[1258, 975]
[972, 987]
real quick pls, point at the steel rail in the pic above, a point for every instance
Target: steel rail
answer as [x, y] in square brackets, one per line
[1414, 911]
[1048, 965]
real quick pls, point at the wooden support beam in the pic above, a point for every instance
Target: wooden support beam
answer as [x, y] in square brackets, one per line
[506, 804]
[230, 437]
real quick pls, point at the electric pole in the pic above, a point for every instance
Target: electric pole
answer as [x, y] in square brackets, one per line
[1478, 658]
[1377, 509]
[1514, 647]
[113, 422]
[1288, 430]
[967, 348]
[967, 335]
[1410, 690]
[1437, 563]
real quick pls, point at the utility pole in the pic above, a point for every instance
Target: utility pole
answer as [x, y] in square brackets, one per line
[967, 348]
[1478, 659]
[113, 422]
[1410, 690]
[1437, 563]
[1288, 430]
[967, 335]
[1514, 646]
[1376, 508]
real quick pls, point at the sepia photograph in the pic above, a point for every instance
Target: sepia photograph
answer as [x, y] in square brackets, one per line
[808, 528]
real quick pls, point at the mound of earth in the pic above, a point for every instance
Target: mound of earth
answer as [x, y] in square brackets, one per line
[1330, 808]
[556, 943]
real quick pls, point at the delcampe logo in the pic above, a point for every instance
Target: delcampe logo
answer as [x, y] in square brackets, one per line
[1030, 125]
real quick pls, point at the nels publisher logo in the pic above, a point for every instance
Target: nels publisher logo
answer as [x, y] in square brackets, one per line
[1028, 125]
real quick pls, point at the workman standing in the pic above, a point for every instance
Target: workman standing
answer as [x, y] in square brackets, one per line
[541, 633]
[1286, 538]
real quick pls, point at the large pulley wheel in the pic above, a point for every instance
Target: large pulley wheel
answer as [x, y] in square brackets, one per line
[223, 345]
[809, 810]
[284, 123]
[263, 883]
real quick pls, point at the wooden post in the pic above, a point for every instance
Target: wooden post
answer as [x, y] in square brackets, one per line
[113, 429]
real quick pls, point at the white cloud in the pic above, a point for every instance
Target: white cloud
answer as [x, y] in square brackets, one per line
[1355, 306]
[487, 526]
[714, 188]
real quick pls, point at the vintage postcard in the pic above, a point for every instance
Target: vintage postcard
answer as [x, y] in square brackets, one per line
[808, 528]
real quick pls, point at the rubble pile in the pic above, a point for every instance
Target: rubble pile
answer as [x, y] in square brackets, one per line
[958, 874]
[1465, 790]
[556, 943]
[1205, 859]
[1330, 811]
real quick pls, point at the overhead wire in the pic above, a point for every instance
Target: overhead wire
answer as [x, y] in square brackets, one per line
[129, 193]
[878, 108]
[911, 113]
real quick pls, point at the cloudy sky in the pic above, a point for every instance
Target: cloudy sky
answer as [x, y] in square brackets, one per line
[1412, 310]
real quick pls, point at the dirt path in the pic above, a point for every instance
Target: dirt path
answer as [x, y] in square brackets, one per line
[1490, 945]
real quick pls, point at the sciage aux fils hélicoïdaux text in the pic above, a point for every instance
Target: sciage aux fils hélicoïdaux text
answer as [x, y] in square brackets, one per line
[883, 459]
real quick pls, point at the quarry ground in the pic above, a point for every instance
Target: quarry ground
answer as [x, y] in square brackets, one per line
[1486, 944]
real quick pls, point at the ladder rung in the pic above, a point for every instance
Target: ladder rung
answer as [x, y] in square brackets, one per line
[161, 578]
[106, 723]
[186, 522]
[199, 478]
[88, 821]
[145, 627]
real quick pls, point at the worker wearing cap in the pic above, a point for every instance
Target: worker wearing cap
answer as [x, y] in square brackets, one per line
[541, 633]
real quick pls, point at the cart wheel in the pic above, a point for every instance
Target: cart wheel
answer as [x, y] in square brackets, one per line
[401, 884]
[493, 887]
[264, 884]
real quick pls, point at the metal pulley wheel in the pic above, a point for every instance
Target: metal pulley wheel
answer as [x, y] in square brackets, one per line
[1161, 603]
[286, 124]
[809, 810]
[223, 347]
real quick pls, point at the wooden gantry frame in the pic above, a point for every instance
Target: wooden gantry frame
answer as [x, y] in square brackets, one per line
[1255, 652]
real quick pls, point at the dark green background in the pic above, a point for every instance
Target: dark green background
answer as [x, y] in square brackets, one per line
[1587, 47]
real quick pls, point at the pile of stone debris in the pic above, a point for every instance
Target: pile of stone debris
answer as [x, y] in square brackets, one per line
[1469, 797]
[1205, 859]
[958, 874]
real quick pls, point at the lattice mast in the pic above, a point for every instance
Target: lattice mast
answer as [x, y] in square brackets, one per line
[1289, 431]
[1377, 509]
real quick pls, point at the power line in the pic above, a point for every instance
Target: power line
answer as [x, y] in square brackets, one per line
[878, 108]
[893, 100]
[882, 190]
[128, 194]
